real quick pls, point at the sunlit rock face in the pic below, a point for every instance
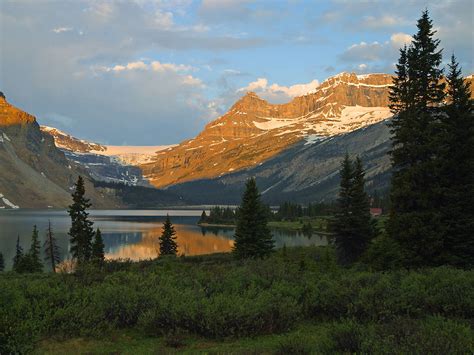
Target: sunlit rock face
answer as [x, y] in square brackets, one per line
[33, 172]
[254, 130]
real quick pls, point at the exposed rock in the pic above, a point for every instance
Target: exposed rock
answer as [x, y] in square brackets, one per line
[254, 130]
[105, 162]
[34, 173]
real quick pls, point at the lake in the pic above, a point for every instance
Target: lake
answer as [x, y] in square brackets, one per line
[131, 234]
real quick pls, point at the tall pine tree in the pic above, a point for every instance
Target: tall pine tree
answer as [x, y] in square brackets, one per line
[457, 170]
[168, 245]
[415, 220]
[98, 254]
[352, 225]
[34, 257]
[253, 238]
[81, 231]
[51, 248]
[342, 222]
[2, 263]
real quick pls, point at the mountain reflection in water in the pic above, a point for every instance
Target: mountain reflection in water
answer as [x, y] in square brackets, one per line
[131, 234]
[145, 244]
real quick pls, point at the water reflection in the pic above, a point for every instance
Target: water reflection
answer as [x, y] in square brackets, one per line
[132, 233]
[144, 245]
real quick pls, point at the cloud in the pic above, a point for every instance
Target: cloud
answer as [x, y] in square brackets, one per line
[375, 51]
[398, 40]
[141, 65]
[61, 29]
[279, 93]
[381, 22]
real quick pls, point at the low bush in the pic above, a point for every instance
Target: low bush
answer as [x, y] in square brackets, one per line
[218, 297]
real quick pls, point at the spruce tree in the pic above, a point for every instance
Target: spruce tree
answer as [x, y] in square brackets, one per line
[98, 254]
[81, 231]
[2, 263]
[352, 224]
[457, 173]
[203, 218]
[253, 238]
[51, 249]
[415, 220]
[17, 260]
[168, 245]
[360, 210]
[341, 225]
[34, 257]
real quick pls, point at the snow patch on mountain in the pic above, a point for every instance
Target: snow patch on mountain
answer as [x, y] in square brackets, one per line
[7, 202]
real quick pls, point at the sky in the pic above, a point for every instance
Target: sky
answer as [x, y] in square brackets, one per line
[153, 72]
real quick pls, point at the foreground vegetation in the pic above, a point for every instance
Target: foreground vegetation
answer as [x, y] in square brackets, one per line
[298, 299]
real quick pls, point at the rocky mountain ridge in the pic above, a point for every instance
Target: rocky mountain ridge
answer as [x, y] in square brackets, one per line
[34, 173]
[254, 130]
[108, 163]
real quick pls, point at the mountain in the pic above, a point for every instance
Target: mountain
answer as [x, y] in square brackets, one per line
[308, 171]
[106, 162]
[353, 119]
[253, 130]
[34, 173]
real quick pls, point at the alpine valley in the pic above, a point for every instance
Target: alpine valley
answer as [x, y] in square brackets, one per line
[294, 151]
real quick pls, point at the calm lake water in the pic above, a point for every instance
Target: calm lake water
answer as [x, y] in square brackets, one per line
[130, 233]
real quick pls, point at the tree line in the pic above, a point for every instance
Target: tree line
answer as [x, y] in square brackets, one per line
[431, 220]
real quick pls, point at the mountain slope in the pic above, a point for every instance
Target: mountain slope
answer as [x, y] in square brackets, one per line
[254, 130]
[34, 173]
[105, 162]
[304, 172]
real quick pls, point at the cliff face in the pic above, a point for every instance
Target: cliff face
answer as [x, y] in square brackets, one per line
[34, 173]
[254, 130]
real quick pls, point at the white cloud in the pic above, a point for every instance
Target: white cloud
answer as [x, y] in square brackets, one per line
[398, 40]
[375, 22]
[61, 29]
[141, 65]
[158, 66]
[279, 93]
[376, 51]
[164, 19]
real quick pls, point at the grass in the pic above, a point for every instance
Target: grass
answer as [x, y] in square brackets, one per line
[129, 342]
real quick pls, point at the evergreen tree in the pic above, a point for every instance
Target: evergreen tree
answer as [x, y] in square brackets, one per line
[81, 231]
[98, 254]
[252, 235]
[360, 210]
[341, 225]
[352, 225]
[203, 218]
[34, 257]
[415, 221]
[2, 263]
[51, 249]
[17, 260]
[168, 245]
[457, 170]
